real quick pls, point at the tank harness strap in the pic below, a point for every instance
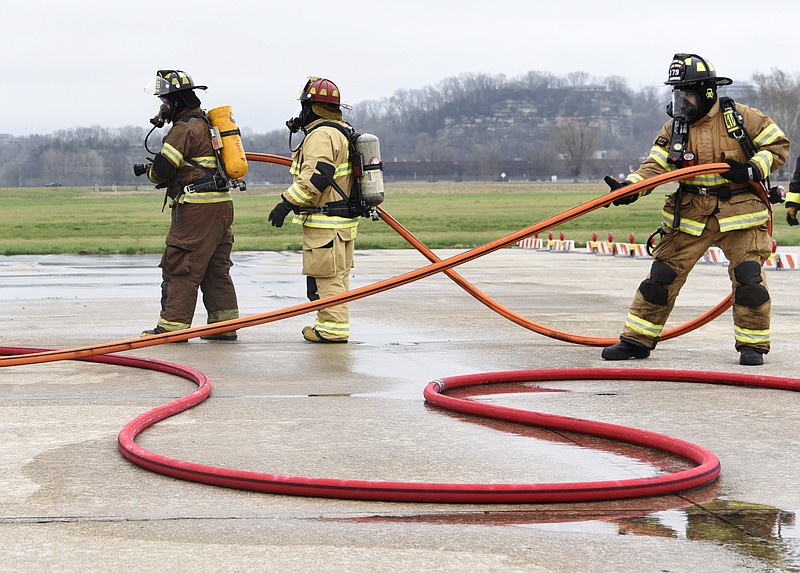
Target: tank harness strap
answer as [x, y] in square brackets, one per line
[677, 148]
[734, 125]
[350, 205]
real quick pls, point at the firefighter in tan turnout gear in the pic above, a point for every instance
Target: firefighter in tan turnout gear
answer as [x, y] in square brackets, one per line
[726, 209]
[200, 240]
[322, 175]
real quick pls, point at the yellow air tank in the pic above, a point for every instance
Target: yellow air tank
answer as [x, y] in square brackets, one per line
[232, 150]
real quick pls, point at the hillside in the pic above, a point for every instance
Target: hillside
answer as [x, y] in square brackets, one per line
[471, 127]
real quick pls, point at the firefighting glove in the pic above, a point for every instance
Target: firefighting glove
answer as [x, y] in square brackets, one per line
[791, 213]
[741, 172]
[279, 212]
[614, 184]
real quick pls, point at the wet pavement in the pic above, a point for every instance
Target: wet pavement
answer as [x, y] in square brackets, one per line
[69, 501]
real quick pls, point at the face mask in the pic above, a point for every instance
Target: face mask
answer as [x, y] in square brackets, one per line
[685, 105]
[302, 119]
[164, 114]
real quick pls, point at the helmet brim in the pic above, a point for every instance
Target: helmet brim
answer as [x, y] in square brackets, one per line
[720, 81]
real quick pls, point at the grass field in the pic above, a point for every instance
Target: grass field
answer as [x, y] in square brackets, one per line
[442, 215]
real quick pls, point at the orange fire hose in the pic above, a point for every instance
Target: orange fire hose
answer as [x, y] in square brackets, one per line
[436, 266]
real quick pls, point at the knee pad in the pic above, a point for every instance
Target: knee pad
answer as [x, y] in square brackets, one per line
[654, 288]
[750, 291]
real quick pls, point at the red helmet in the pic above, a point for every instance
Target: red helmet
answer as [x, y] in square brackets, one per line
[322, 90]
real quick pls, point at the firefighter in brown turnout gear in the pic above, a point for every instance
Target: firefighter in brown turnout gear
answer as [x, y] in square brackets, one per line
[727, 209]
[323, 179]
[793, 196]
[200, 240]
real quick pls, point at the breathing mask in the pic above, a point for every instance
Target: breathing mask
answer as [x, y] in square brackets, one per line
[303, 118]
[164, 114]
[692, 102]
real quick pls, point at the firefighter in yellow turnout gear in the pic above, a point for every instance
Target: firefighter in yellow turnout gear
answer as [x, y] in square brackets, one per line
[320, 165]
[717, 209]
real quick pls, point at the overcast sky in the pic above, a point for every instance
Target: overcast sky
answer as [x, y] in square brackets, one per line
[86, 62]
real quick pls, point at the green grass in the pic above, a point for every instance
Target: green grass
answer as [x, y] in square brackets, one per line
[441, 215]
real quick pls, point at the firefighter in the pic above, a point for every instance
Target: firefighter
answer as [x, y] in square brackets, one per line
[199, 242]
[793, 197]
[320, 165]
[718, 209]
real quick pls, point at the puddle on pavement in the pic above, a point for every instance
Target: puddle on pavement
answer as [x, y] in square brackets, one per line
[763, 532]
[768, 534]
[597, 458]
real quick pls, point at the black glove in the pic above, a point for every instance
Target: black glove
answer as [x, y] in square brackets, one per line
[741, 172]
[279, 212]
[791, 213]
[614, 184]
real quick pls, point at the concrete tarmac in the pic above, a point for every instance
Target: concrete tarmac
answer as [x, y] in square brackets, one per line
[69, 501]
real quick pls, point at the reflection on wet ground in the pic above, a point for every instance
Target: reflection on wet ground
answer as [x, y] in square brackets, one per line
[766, 533]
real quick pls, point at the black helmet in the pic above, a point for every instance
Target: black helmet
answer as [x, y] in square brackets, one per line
[688, 69]
[171, 81]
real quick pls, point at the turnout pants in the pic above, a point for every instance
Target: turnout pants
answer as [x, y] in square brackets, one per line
[327, 260]
[675, 256]
[198, 254]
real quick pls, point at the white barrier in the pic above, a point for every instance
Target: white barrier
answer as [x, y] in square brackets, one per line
[530, 243]
[787, 261]
[600, 247]
[714, 255]
[560, 245]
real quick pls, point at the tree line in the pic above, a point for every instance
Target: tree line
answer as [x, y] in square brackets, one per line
[467, 127]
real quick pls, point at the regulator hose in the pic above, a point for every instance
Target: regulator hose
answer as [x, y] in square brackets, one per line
[435, 267]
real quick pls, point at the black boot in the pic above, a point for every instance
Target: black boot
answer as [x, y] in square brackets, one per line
[749, 356]
[623, 350]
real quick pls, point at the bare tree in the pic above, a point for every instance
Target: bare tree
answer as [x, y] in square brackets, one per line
[778, 95]
[577, 79]
[575, 139]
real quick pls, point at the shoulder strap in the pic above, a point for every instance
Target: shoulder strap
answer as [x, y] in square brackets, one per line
[220, 164]
[734, 124]
[198, 115]
[348, 131]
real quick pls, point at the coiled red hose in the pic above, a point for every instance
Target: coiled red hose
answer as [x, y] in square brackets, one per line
[706, 471]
